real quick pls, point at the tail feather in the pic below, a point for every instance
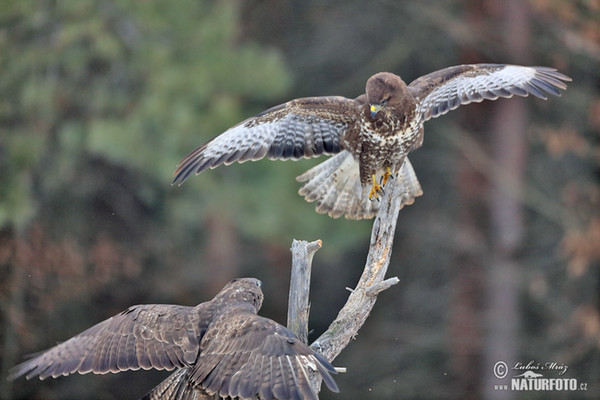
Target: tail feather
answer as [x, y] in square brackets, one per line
[410, 184]
[315, 178]
[336, 188]
[178, 386]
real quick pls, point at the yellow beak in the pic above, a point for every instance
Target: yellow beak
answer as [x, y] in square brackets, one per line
[375, 109]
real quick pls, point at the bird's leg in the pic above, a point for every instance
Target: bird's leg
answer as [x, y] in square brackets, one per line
[387, 175]
[375, 189]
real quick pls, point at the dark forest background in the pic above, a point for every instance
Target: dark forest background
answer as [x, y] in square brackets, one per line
[498, 260]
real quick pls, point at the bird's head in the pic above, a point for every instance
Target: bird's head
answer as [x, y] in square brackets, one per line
[243, 290]
[384, 89]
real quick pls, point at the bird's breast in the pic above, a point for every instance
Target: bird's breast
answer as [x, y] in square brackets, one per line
[385, 142]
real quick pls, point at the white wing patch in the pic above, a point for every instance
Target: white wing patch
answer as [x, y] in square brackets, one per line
[489, 82]
[291, 136]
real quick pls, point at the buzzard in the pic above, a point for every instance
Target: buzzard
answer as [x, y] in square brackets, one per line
[220, 348]
[370, 135]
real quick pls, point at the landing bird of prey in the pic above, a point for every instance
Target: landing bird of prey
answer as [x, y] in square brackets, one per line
[220, 348]
[370, 135]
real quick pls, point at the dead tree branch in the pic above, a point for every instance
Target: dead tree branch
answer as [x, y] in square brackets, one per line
[362, 298]
[298, 304]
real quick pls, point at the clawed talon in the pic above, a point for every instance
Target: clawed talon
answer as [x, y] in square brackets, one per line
[374, 193]
[375, 189]
[387, 175]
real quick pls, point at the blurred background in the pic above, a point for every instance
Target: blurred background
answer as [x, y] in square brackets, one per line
[498, 260]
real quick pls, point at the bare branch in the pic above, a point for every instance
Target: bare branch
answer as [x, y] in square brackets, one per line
[298, 304]
[362, 299]
[379, 287]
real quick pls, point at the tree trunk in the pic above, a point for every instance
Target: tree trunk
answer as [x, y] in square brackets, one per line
[509, 148]
[484, 315]
[222, 260]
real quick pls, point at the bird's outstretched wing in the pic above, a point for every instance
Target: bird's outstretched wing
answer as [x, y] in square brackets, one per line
[144, 336]
[300, 128]
[448, 88]
[245, 355]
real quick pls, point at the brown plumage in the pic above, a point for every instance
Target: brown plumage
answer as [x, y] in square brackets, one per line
[370, 135]
[220, 348]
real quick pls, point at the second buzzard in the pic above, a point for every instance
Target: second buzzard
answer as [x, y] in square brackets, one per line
[220, 348]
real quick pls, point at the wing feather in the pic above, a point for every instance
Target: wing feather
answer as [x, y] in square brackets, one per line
[177, 386]
[113, 354]
[143, 336]
[249, 380]
[300, 128]
[244, 355]
[125, 362]
[447, 89]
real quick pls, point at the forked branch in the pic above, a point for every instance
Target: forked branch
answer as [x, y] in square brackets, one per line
[362, 298]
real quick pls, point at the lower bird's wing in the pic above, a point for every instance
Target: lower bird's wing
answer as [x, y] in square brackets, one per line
[448, 88]
[300, 128]
[246, 356]
[144, 336]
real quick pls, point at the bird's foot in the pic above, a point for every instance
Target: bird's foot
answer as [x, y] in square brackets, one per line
[386, 176]
[375, 189]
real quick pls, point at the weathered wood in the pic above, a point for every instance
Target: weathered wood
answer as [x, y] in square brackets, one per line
[362, 298]
[298, 303]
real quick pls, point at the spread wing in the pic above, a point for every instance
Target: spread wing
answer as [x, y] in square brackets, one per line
[305, 127]
[448, 88]
[145, 336]
[244, 355]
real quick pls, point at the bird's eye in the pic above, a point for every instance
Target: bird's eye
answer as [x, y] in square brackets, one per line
[386, 100]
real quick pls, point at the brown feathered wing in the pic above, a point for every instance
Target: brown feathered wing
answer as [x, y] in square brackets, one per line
[144, 336]
[444, 90]
[300, 128]
[244, 355]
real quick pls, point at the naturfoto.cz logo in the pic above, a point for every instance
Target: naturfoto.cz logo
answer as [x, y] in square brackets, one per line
[531, 376]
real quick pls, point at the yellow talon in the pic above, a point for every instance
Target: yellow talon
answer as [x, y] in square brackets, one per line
[386, 176]
[375, 189]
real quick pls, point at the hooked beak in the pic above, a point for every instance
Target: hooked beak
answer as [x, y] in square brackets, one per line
[375, 109]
